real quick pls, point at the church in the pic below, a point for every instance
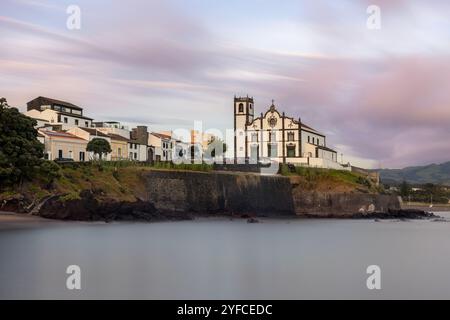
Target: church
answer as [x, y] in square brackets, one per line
[279, 137]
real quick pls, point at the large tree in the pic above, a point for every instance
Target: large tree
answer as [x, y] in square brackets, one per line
[20, 151]
[99, 146]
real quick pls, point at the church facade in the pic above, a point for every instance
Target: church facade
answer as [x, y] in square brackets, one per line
[279, 137]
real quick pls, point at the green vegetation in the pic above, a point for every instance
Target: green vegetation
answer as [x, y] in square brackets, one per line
[434, 173]
[426, 193]
[99, 147]
[21, 153]
[328, 179]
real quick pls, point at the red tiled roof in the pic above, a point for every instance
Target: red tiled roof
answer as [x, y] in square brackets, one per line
[118, 137]
[161, 135]
[60, 134]
[95, 132]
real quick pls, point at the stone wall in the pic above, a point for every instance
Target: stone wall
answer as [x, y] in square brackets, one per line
[219, 193]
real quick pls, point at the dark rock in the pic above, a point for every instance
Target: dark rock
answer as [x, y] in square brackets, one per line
[401, 214]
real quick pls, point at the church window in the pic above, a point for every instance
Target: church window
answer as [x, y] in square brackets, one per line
[290, 136]
[272, 137]
[241, 107]
[272, 150]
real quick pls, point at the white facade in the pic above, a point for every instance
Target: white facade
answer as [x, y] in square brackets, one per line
[137, 152]
[162, 146]
[52, 117]
[90, 134]
[279, 137]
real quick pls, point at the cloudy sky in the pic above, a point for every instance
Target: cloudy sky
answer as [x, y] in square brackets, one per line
[382, 96]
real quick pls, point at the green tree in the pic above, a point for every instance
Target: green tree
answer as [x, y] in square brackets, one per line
[20, 151]
[405, 189]
[99, 146]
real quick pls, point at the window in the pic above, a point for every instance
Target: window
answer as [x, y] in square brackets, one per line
[272, 136]
[81, 156]
[70, 154]
[76, 122]
[272, 150]
[86, 124]
[60, 154]
[291, 151]
[119, 152]
[290, 136]
[254, 137]
[65, 120]
[241, 107]
[135, 156]
[131, 155]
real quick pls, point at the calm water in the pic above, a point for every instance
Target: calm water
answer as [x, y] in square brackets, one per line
[221, 259]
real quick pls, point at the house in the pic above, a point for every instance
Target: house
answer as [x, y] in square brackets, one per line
[138, 145]
[162, 144]
[56, 113]
[279, 137]
[63, 145]
[89, 134]
[119, 147]
[201, 139]
[113, 127]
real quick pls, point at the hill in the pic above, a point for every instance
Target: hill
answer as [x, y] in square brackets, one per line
[433, 173]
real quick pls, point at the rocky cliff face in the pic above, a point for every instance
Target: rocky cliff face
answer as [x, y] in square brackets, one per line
[182, 194]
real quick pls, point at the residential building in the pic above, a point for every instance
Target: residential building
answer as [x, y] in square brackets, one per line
[114, 127]
[162, 144]
[89, 134]
[119, 147]
[138, 148]
[201, 139]
[63, 145]
[52, 112]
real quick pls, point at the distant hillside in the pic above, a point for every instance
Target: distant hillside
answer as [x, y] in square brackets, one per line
[433, 173]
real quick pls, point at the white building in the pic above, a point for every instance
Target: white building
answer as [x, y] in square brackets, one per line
[162, 144]
[138, 145]
[279, 137]
[89, 134]
[56, 113]
[113, 127]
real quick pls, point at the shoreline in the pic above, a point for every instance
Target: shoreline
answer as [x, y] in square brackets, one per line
[12, 220]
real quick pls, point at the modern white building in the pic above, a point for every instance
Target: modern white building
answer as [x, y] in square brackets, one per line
[57, 113]
[113, 127]
[279, 137]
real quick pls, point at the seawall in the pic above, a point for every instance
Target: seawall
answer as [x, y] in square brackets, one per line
[215, 192]
[166, 194]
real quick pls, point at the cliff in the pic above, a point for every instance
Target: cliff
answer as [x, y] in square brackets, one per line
[88, 192]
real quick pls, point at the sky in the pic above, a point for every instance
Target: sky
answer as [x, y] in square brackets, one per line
[382, 96]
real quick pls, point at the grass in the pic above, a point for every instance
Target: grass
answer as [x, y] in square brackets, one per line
[329, 179]
[117, 180]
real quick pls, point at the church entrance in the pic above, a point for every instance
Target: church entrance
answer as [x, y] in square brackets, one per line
[254, 154]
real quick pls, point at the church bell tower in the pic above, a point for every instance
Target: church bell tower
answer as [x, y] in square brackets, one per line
[243, 116]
